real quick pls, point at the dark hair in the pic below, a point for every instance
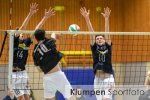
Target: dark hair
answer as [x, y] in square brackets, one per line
[99, 35]
[39, 34]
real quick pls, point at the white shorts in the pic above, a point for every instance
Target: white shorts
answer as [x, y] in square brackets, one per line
[56, 81]
[19, 83]
[105, 86]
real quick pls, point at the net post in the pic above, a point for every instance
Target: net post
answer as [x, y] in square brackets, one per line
[11, 44]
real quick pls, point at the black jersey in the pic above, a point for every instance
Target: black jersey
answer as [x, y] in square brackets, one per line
[45, 55]
[102, 57]
[21, 52]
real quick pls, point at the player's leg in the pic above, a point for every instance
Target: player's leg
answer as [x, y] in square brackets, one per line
[25, 85]
[17, 86]
[21, 97]
[50, 98]
[49, 87]
[109, 87]
[27, 96]
[19, 94]
[58, 81]
[26, 92]
[65, 87]
[98, 87]
[72, 98]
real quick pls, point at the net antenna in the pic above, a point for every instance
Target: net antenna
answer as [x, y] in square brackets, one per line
[3, 44]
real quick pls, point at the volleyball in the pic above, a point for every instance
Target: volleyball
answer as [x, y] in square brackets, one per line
[74, 28]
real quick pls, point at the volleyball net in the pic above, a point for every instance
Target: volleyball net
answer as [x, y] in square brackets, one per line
[3, 60]
[130, 57]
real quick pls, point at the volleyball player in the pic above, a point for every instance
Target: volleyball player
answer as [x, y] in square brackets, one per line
[46, 58]
[101, 53]
[146, 95]
[19, 84]
[21, 46]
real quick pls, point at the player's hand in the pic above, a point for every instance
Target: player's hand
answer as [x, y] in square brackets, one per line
[106, 12]
[33, 8]
[56, 36]
[49, 13]
[85, 13]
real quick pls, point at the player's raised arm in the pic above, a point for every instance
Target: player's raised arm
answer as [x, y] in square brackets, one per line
[47, 14]
[106, 15]
[85, 13]
[33, 10]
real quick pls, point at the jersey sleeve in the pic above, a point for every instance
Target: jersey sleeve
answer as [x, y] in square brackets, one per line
[35, 56]
[51, 44]
[16, 41]
[109, 46]
[93, 49]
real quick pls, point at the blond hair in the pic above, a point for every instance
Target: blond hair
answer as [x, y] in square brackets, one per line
[147, 81]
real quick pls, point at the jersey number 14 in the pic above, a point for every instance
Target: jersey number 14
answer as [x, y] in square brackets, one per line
[20, 54]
